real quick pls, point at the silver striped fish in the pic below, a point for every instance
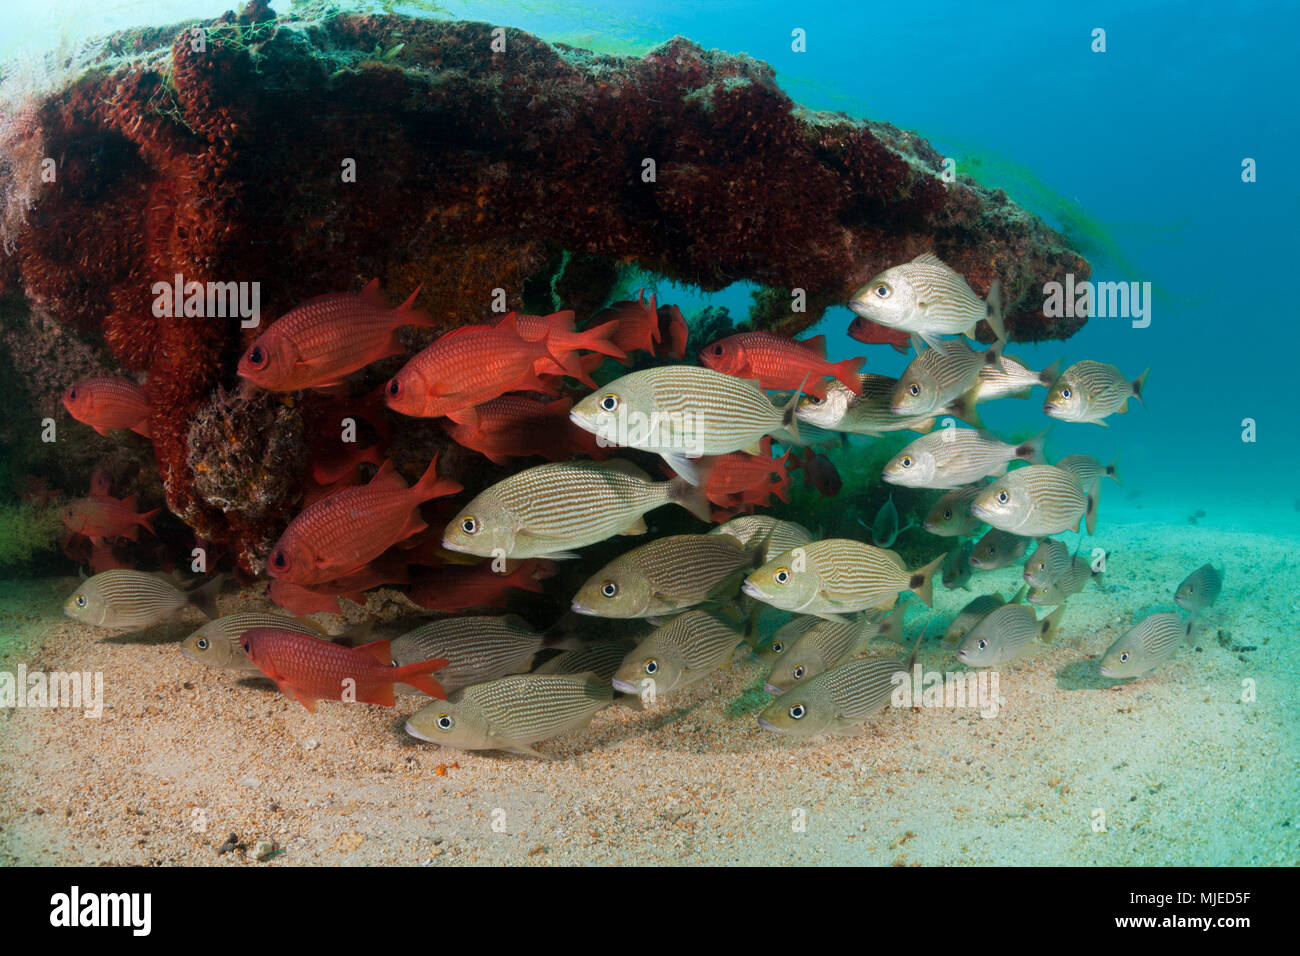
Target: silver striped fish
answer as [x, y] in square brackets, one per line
[952, 457]
[997, 549]
[950, 517]
[941, 376]
[665, 576]
[126, 598]
[765, 535]
[770, 649]
[477, 648]
[1145, 646]
[680, 653]
[867, 413]
[928, 298]
[512, 713]
[837, 701]
[1013, 378]
[838, 576]
[602, 658]
[1036, 501]
[1199, 589]
[1050, 560]
[1072, 581]
[826, 644]
[547, 510]
[683, 412]
[970, 615]
[1004, 634]
[1090, 470]
[1088, 391]
[217, 642]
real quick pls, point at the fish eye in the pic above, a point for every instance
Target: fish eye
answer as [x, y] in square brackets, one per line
[609, 402]
[651, 666]
[799, 672]
[445, 722]
[1003, 497]
[394, 387]
[993, 549]
[778, 647]
[469, 524]
[797, 711]
[813, 399]
[1066, 392]
[1042, 565]
[257, 357]
[947, 513]
[914, 390]
[717, 350]
[782, 575]
[247, 646]
[907, 461]
[882, 290]
[1123, 658]
[72, 393]
[609, 589]
[201, 643]
[279, 560]
[983, 644]
[81, 600]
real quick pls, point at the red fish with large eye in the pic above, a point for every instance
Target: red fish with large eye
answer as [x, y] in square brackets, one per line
[467, 367]
[563, 341]
[309, 669]
[516, 426]
[781, 363]
[105, 403]
[100, 517]
[319, 343]
[347, 530]
[461, 587]
[873, 333]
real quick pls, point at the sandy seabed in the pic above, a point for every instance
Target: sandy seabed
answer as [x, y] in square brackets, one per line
[1184, 770]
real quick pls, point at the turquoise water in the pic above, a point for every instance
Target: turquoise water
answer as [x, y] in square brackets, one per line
[1136, 155]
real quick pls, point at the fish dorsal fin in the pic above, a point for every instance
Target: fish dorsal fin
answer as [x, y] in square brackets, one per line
[372, 296]
[387, 476]
[816, 344]
[636, 527]
[380, 651]
[929, 259]
[564, 321]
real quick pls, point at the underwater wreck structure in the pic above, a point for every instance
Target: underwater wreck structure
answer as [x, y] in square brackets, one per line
[311, 156]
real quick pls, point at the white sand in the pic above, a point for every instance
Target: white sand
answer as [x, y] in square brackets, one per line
[1184, 771]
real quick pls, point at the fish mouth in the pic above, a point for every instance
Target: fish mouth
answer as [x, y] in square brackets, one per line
[753, 590]
[580, 421]
[773, 690]
[453, 546]
[979, 511]
[581, 608]
[625, 686]
[410, 729]
[768, 725]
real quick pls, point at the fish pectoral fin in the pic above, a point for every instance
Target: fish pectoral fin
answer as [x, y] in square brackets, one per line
[290, 691]
[829, 616]
[687, 468]
[636, 527]
[524, 750]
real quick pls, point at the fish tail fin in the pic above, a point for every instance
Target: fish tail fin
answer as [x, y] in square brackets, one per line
[847, 372]
[1051, 624]
[693, 498]
[1048, 376]
[916, 648]
[995, 320]
[204, 597]
[993, 355]
[922, 580]
[891, 626]
[410, 315]
[1090, 514]
[963, 407]
[1139, 386]
[1112, 470]
[598, 339]
[146, 520]
[418, 676]
[1187, 634]
[140, 428]
[789, 421]
[573, 367]
[1032, 450]
[431, 486]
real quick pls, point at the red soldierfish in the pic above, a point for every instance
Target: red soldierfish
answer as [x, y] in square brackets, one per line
[741, 479]
[873, 333]
[461, 587]
[343, 532]
[100, 517]
[563, 341]
[820, 472]
[469, 366]
[324, 598]
[516, 426]
[309, 669]
[638, 324]
[673, 330]
[319, 343]
[107, 403]
[779, 362]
